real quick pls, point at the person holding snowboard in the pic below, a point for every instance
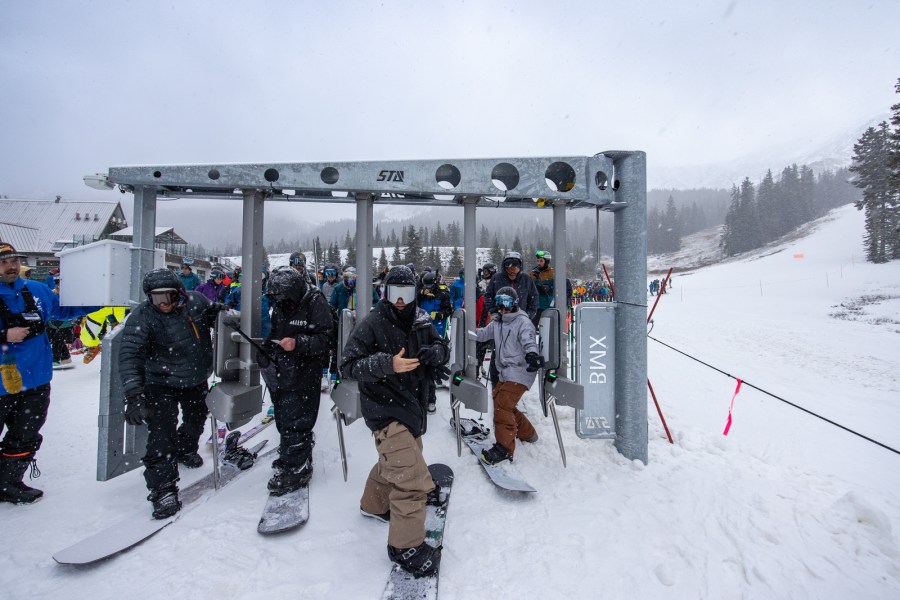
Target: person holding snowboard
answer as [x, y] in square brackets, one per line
[294, 354]
[165, 361]
[516, 358]
[393, 353]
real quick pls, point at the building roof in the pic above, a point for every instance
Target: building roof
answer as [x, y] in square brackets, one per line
[163, 234]
[20, 236]
[54, 221]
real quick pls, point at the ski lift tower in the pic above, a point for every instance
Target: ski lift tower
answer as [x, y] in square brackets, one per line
[612, 181]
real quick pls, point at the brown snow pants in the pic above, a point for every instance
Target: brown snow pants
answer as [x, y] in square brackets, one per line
[509, 422]
[399, 482]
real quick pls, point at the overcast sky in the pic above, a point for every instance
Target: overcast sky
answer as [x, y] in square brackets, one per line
[89, 85]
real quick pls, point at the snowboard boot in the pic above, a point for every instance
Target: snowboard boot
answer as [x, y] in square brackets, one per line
[287, 479]
[421, 561]
[191, 460]
[495, 454]
[384, 517]
[432, 407]
[12, 488]
[165, 501]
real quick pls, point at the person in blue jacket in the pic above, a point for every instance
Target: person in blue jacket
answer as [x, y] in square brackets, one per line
[458, 290]
[188, 278]
[233, 300]
[27, 368]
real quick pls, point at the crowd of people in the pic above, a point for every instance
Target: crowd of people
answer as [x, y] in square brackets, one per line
[398, 354]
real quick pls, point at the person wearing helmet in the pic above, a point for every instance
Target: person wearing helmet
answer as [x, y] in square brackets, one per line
[458, 290]
[517, 360]
[434, 299]
[392, 353]
[291, 361]
[331, 280]
[214, 288]
[26, 306]
[297, 261]
[543, 279]
[164, 363]
[344, 294]
[510, 276]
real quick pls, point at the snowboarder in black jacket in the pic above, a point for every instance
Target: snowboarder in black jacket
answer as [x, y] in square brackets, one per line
[295, 353]
[393, 353]
[165, 362]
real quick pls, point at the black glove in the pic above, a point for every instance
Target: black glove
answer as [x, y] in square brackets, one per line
[440, 373]
[262, 359]
[535, 361]
[430, 355]
[215, 308]
[136, 411]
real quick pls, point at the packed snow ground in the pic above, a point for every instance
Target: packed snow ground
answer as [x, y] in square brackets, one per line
[785, 506]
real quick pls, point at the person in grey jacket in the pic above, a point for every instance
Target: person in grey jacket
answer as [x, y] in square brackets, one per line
[516, 358]
[164, 363]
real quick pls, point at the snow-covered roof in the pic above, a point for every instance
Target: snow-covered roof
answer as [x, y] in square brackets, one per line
[54, 221]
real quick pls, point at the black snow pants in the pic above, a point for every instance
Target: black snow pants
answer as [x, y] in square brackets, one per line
[166, 440]
[296, 412]
[22, 415]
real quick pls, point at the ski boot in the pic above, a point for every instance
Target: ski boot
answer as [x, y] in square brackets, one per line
[165, 501]
[432, 407]
[421, 561]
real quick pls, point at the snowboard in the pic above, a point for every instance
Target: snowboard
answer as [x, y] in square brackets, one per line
[141, 525]
[63, 367]
[503, 475]
[285, 512]
[401, 584]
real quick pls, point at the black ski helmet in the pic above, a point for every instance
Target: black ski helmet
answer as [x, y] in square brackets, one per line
[507, 291]
[488, 270]
[297, 259]
[429, 278]
[159, 279]
[286, 283]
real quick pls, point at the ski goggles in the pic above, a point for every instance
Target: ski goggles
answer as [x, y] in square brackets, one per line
[330, 273]
[397, 292]
[504, 301]
[164, 296]
[350, 282]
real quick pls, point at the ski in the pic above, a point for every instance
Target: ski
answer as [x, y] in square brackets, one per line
[504, 474]
[285, 512]
[222, 432]
[401, 584]
[245, 436]
[141, 525]
[471, 428]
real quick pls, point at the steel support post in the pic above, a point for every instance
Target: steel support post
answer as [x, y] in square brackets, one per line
[251, 280]
[364, 210]
[142, 242]
[560, 252]
[471, 281]
[630, 258]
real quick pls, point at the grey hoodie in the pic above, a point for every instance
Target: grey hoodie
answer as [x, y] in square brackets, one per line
[514, 337]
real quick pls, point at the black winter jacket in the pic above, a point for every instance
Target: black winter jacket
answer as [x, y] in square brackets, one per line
[173, 350]
[311, 324]
[524, 286]
[368, 358]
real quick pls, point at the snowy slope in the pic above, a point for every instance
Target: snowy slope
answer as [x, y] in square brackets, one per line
[785, 506]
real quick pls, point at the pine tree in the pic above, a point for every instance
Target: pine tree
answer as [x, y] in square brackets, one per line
[873, 176]
[350, 244]
[496, 253]
[455, 265]
[413, 247]
[894, 165]
[438, 238]
[484, 239]
[767, 205]
[396, 257]
[382, 261]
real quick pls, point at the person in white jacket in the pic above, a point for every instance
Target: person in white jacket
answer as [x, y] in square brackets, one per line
[517, 360]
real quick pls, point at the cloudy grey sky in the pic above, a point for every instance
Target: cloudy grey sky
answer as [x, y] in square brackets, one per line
[88, 85]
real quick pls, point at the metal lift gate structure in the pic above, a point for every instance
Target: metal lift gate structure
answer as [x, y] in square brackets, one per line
[612, 181]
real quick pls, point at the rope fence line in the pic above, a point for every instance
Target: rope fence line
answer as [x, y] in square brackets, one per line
[788, 402]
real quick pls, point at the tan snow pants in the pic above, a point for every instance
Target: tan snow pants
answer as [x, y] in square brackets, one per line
[399, 482]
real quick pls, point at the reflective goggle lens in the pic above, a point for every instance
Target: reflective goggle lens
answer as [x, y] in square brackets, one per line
[160, 297]
[396, 292]
[504, 301]
[330, 273]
